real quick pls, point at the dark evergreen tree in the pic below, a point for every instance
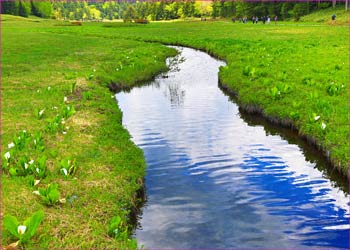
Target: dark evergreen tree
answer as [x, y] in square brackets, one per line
[9, 7]
[216, 5]
[22, 9]
[297, 12]
[41, 8]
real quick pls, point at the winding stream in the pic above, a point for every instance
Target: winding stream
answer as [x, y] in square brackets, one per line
[213, 181]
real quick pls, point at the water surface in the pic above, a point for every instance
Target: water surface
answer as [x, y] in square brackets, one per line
[213, 181]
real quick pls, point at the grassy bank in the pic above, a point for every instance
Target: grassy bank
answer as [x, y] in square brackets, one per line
[324, 16]
[54, 88]
[296, 72]
[293, 72]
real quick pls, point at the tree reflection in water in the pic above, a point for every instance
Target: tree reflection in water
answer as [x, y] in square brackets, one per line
[175, 94]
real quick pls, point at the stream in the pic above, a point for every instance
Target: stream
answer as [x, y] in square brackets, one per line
[215, 180]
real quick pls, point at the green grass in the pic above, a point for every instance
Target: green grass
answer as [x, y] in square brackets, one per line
[324, 16]
[39, 70]
[292, 71]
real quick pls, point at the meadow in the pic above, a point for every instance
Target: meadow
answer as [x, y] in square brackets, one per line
[61, 125]
[295, 73]
[63, 129]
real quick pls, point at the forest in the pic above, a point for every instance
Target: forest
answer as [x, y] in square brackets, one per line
[163, 10]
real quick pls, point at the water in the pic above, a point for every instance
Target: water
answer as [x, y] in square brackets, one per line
[213, 181]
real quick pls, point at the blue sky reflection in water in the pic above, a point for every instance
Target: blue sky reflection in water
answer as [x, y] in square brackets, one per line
[215, 182]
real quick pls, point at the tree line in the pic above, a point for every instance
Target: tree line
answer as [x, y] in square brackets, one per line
[161, 10]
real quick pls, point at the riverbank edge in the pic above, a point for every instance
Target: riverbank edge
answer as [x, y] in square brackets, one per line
[274, 120]
[139, 197]
[99, 100]
[286, 123]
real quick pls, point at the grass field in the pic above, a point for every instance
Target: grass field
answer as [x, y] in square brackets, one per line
[324, 16]
[56, 74]
[295, 72]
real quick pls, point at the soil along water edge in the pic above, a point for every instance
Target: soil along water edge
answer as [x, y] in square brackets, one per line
[215, 181]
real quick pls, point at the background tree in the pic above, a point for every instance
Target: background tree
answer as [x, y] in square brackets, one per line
[95, 13]
[9, 7]
[162, 9]
[297, 12]
[242, 9]
[216, 8]
[129, 14]
[41, 8]
[24, 8]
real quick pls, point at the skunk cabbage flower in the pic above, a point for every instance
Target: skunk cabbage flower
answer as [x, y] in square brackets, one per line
[21, 229]
[41, 112]
[7, 155]
[64, 171]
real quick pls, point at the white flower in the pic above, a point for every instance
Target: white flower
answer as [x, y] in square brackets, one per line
[64, 171]
[63, 200]
[36, 182]
[112, 96]
[41, 112]
[31, 162]
[7, 155]
[11, 145]
[36, 192]
[67, 127]
[323, 126]
[37, 170]
[48, 88]
[54, 107]
[317, 118]
[25, 165]
[65, 99]
[64, 132]
[35, 141]
[21, 229]
[24, 131]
